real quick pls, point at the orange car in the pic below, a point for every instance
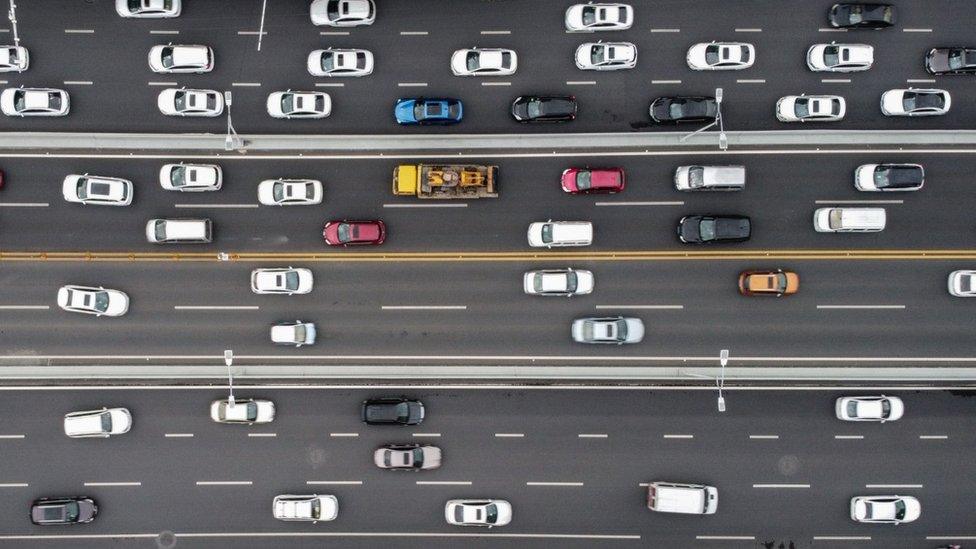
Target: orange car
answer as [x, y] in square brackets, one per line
[777, 283]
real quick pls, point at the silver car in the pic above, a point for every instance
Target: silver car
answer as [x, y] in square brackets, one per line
[246, 411]
[615, 330]
[148, 9]
[343, 13]
[181, 59]
[34, 102]
[308, 508]
[14, 59]
[407, 457]
[296, 334]
[606, 56]
[93, 301]
[98, 190]
[101, 423]
[962, 283]
[184, 102]
[558, 282]
[478, 512]
[189, 178]
[340, 62]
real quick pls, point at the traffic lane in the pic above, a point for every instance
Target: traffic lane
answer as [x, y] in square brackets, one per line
[644, 216]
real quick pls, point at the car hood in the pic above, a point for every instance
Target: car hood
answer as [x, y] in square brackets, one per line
[689, 230]
[404, 110]
[584, 282]
[891, 101]
[938, 59]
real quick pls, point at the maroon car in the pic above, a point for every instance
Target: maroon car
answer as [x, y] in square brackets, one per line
[353, 233]
[593, 180]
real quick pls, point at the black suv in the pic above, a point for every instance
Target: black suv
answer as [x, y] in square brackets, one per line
[704, 229]
[869, 16]
[392, 411]
[544, 108]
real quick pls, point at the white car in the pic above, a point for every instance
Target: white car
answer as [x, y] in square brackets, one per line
[889, 177]
[962, 283]
[296, 333]
[244, 411]
[885, 509]
[599, 17]
[101, 423]
[340, 62]
[184, 102]
[95, 189]
[721, 56]
[561, 282]
[14, 59]
[343, 13]
[407, 457]
[153, 9]
[913, 102]
[93, 301]
[290, 192]
[478, 512]
[811, 108]
[484, 62]
[869, 408]
[181, 59]
[307, 508]
[191, 178]
[834, 57]
[299, 104]
[281, 281]
[606, 56]
[34, 102]
[552, 234]
[615, 330]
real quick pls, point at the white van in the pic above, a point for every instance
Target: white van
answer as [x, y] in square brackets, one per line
[551, 234]
[689, 499]
[710, 178]
[162, 231]
[849, 220]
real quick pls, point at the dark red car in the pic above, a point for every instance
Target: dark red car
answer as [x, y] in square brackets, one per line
[354, 233]
[593, 180]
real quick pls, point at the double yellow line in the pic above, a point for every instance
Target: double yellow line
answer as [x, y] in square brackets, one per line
[459, 256]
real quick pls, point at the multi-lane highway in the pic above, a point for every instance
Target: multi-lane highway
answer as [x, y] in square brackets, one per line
[571, 462]
[100, 58]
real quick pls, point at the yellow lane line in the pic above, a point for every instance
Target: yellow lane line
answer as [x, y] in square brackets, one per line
[620, 255]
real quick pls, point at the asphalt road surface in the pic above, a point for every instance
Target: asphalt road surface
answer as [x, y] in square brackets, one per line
[570, 462]
[100, 58]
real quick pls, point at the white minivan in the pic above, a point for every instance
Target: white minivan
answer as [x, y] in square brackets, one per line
[849, 220]
[165, 231]
[552, 234]
[710, 178]
[101, 423]
[689, 499]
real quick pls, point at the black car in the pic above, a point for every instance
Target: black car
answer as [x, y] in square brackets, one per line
[544, 108]
[951, 61]
[703, 229]
[868, 16]
[392, 411]
[75, 510]
[684, 109]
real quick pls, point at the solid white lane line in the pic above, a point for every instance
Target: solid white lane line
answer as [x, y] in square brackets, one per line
[443, 483]
[679, 436]
[24, 307]
[224, 483]
[780, 485]
[330, 482]
[215, 205]
[78, 82]
[79, 31]
[401, 205]
[748, 30]
[427, 434]
[424, 307]
[665, 81]
[245, 84]
[329, 84]
[24, 204]
[921, 80]
[161, 83]
[334, 33]
[650, 307]
[933, 437]
[835, 80]
[496, 83]
[414, 33]
[113, 484]
[495, 32]
[858, 201]
[849, 437]
[860, 307]
[554, 484]
[593, 435]
[916, 30]
[14, 485]
[260, 435]
[343, 435]
[892, 485]
[665, 30]
[764, 437]
[509, 435]
[216, 307]
[412, 84]
[722, 538]
[178, 435]
[665, 203]
[581, 82]
[164, 32]
[310, 534]
[10, 437]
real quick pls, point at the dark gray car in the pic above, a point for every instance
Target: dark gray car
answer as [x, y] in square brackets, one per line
[951, 61]
[72, 510]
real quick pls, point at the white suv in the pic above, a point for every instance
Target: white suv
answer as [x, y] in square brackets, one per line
[101, 423]
[553, 234]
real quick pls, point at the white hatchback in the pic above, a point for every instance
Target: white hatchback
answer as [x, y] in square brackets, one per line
[962, 283]
[559, 282]
[299, 104]
[14, 59]
[340, 62]
[287, 281]
[181, 59]
[34, 102]
[94, 189]
[606, 56]
[290, 192]
[599, 17]
[478, 512]
[148, 9]
[484, 62]
[296, 333]
[184, 102]
[342, 13]
[93, 301]
[811, 108]
[721, 56]
[101, 423]
[247, 411]
[834, 57]
[190, 178]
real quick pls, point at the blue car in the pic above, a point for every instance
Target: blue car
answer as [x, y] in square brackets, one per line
[427, 111]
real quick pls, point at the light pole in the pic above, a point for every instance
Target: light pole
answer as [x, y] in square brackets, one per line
[720, 381]
[12, 15]
[264, 6]
[229, 360]
[232, 140]
[723, 140]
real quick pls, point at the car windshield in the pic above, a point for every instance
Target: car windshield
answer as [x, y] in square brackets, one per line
[71, 511]
[598, 54]
[589, 15]
[584, 180]
[291, 280]
[621, 329]
[20, 100]
[418, 456]
[802, 107]
[706, 229]
[696, 177]
[852, 408]
[832, 55]
[316, 508]
[278, 191]
[885, 408]
[899, 509]
[677, 109]
[82, 188]
[101, 301]
[106, 419]
[536, 108]
[491, 513]
[328, 61]
[780, 281]
[547, 232]
[344, 232]
[288, 103]
[177, 177]
[712, 56]
[957, 59]
[179, 100]
[167, 57]
[472, 61]
[300, 332]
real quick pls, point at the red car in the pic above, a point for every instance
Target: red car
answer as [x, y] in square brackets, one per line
[354, 233]
[593, 180]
